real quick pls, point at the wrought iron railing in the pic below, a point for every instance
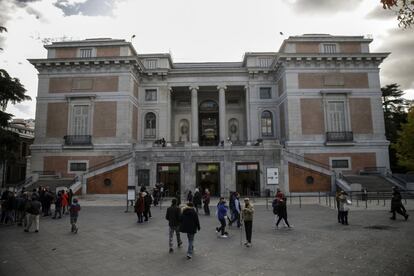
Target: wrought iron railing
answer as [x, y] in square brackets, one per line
[340, 136]
[78, 140]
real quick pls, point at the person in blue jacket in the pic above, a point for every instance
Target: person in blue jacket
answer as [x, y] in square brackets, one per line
[221, 215]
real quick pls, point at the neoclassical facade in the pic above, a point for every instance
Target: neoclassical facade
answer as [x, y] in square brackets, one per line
[286, 119]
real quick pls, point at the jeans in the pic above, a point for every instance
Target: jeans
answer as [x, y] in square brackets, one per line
[344, 217]
[248, 226]
[222, 228]
[175, 229]
[284, 218]
[32, 218]
[58, 210]
[190, 237]
[236, 217]
[140, 218]
[73, 221]
[206, 209]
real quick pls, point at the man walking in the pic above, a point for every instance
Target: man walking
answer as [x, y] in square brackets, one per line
[189, 224]
[247, 215]
[396, 204]
[197, 199]
[221, 215]
[236, 210]
[173, 216]
[206, 201]
[74, 213]
[33, 214]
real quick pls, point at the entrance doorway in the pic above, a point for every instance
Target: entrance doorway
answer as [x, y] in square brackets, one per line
[169, 176]
[208, 177]
[209, 123]
[247, 179]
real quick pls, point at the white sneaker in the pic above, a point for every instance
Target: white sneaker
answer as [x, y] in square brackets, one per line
[248, 245]
[224, 236]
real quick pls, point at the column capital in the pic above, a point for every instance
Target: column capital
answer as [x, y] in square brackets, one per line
[193, 87]
[221, 87]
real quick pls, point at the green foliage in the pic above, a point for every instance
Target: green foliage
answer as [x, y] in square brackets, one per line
[405, 143]
[405, 11]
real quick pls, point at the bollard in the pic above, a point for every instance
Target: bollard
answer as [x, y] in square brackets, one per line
[319, 197]
[378, 198]
[300, 201]
[366, 202]
[329, 201]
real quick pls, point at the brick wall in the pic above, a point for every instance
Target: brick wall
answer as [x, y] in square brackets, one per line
[312, 116]
[98, 84]
[298, 176]
[104, 119]
[57, 120]
[332, 80]
[361, 115]
[118, 179]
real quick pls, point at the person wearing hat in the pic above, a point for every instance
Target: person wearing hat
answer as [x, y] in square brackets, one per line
[74, 209]
[247, 217]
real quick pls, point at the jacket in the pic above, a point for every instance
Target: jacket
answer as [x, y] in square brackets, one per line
[247, 213]
[197, 199]
[221, 211]
[173, 216]
[343, 203]
[206, 198]
[34, 207]
[189, 222]
[74, 210]
[139, 205]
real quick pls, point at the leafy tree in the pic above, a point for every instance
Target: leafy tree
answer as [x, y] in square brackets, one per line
[405, 11]
[405, 143]
[395, 115]
[11, 91]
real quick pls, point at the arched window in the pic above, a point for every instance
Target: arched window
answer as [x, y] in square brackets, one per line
[267, 124]
[150, 130]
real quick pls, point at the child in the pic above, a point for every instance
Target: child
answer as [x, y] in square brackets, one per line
[74, 213]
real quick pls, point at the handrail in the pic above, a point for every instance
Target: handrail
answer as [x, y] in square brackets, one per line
[109, 162]
[308, 160]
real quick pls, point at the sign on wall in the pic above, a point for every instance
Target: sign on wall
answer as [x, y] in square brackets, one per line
[131, 193]
[272, 176]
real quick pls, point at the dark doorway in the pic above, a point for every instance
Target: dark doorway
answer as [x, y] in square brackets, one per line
[169, 176]
[247, 179]
[209, 123]
[208, 177]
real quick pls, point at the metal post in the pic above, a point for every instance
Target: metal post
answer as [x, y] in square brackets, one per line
[366, 201]
[329, 201]
[290, 199]
[319, 197]
[384, 201]
[267, 203]
[378, 198]
[300, 201]
[326, 199]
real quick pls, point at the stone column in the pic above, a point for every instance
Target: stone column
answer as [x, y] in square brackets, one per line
[169, 120]
[248, 126]
[194, 115]
[222, 112]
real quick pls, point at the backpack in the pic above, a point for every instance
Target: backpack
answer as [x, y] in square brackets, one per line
[274, 205]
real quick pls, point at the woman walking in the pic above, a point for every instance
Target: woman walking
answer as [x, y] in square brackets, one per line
[139, 207]
[190, 225]
[282, 212]
[247, 216]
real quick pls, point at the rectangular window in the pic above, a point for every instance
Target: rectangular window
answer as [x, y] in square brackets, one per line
[152, 63]
[78, 166]
[343, 163]
[265, 93]
[336, 116]
[329, 48]
[233, 101]
[265, 62]
[86, 53]
[80, 120]
[82, 84]
[150, 95]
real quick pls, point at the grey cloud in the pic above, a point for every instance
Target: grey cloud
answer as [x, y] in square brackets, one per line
[89, 7]
[24, 108]
[381, 13]
[324, 6]
[399, 66]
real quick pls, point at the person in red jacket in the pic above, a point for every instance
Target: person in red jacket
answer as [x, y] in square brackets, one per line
[65, 201]
[139, 207]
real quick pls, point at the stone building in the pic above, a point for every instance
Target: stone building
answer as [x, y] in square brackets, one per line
[291, 118]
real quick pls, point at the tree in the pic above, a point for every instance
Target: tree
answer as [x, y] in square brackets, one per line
[395, 115]
[405, 143]
[405, 11]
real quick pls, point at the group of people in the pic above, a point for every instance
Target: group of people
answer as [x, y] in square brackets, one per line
[185, 220]
[25, 208]
[143, 205]
[200, 200]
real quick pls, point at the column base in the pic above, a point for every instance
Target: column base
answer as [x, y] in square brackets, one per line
[195, 144]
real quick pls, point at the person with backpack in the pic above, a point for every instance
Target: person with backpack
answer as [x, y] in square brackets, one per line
[173, 216]
[74, 209]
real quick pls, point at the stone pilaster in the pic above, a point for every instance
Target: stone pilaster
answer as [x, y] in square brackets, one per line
[222, 112]
[194, 115]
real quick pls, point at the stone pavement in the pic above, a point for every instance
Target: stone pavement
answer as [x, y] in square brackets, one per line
[110, 242]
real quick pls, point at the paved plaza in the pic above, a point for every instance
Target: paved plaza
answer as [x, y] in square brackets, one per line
[110, 242]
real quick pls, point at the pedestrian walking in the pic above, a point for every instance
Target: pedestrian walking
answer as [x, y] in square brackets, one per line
[74, 209]
[58, 205]
[197, 199]
[343, 208]
[190, 196]
[282, 212]
[33, 213]
[206, 202]
[190, 224]
[221, 215]
[247, 216]
[65, 201]
[337, 195]
[236, 210]
[396, 204]
[173, 216]
[147, 205]
[139, 207]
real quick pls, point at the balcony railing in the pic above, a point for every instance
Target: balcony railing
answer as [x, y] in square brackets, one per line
[78, 140]
[343, 136]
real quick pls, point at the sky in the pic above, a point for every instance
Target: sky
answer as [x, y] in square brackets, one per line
[196, 30]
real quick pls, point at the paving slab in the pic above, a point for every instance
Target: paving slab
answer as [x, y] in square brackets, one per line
[110, 242]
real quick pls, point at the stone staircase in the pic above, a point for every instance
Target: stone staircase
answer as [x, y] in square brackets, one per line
[373, 182]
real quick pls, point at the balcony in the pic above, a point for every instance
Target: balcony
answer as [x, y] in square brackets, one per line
[340, 137]
[78, 140]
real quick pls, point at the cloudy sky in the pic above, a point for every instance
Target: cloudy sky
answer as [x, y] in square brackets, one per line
[196, 30]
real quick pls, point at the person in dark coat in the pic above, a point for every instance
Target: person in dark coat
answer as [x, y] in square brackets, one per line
[147, 205]
[33, 213]
[396, 204]
[139, 207]
[197, 199]
[282, 212]
[173, 216]
[206, 201]
[189, 224]
[58, 205]
[190, 196]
